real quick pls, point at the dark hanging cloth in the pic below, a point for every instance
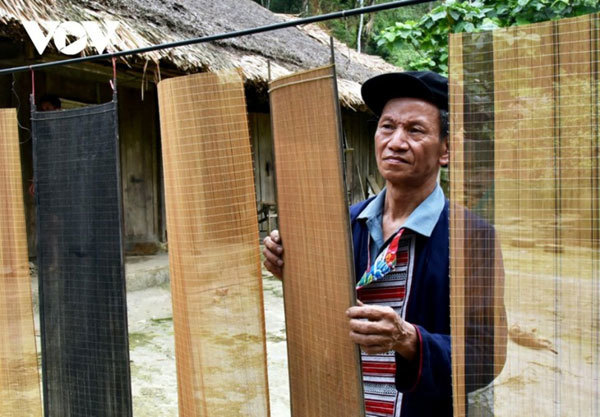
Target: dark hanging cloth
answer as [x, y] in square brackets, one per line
[83, 316]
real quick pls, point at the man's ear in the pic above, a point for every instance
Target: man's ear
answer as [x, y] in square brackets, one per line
[445, 153]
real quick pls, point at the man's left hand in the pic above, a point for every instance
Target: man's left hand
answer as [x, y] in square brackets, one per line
[378, 329]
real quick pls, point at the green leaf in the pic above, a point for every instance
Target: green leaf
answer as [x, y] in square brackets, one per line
[459, 27]
[454, 14]
[501, 8]
[488, 24]
[409, 24]
[389, 37]
[439, 15]
[428, 23]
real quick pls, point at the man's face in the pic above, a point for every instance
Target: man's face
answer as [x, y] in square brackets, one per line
[46, 106]
[408, 147]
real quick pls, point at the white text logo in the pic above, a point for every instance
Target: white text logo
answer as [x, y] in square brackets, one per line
[70, 38]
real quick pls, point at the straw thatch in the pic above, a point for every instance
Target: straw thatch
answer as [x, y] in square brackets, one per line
[150, 22]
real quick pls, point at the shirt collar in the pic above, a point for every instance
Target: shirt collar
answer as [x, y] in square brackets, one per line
[372, 215]
[422, 220]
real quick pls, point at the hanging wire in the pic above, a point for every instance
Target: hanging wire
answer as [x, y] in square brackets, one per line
[227, 35]
[14, 91]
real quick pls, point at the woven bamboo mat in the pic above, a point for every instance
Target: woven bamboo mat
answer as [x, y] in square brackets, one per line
[313, 217]
[524, 108]
[213, 246]
[19, 379]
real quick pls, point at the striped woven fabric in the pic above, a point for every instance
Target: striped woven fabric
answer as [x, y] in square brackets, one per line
[381, 397]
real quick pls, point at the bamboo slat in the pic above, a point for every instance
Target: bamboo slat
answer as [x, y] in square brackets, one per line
[19, 378]
[213, 247]
[538, 185]
[313, 217]
[457, 267]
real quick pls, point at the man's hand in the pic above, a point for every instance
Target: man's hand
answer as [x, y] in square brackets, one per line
[378, 329]
[273, 252]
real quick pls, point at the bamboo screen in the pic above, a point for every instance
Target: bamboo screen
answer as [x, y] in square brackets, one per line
[213, 246]
[313, 216]
[19, 378]
[525, 138]
[83, 311]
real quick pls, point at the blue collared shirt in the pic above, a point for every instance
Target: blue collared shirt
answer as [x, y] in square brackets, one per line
[422, 220]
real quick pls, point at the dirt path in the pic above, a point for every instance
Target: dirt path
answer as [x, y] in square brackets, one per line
[152, 351]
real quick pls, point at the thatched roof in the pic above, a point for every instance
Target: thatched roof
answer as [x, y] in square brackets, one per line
[150, 22]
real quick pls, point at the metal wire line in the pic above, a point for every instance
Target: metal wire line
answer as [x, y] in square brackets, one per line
[227, 35]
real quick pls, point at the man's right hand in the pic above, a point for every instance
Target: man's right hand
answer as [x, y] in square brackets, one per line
[273, 252]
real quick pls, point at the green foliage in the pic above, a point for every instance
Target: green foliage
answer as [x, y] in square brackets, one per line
[520, 12]
[346, 30]
[423, 44]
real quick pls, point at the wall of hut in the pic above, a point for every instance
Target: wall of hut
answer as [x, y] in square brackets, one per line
[362, 177]
[139, 141]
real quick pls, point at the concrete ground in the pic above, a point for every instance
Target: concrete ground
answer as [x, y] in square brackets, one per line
[152, 345]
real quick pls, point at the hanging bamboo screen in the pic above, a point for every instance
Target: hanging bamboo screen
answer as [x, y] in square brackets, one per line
[313, 217]
[83, 315]
[213, 246]
[525, 138]
[19, 378]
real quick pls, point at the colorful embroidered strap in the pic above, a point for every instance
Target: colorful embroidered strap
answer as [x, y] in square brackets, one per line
[384, 263]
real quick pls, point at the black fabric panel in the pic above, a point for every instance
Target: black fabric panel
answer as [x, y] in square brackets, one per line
[85, 353]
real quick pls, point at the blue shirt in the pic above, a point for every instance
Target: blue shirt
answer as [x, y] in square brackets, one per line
[422, 220]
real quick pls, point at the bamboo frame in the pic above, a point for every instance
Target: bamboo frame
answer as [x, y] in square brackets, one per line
[325, 378]
[213, 247]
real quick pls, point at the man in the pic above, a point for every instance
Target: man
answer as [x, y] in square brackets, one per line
[401, 256]
[49, 102]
